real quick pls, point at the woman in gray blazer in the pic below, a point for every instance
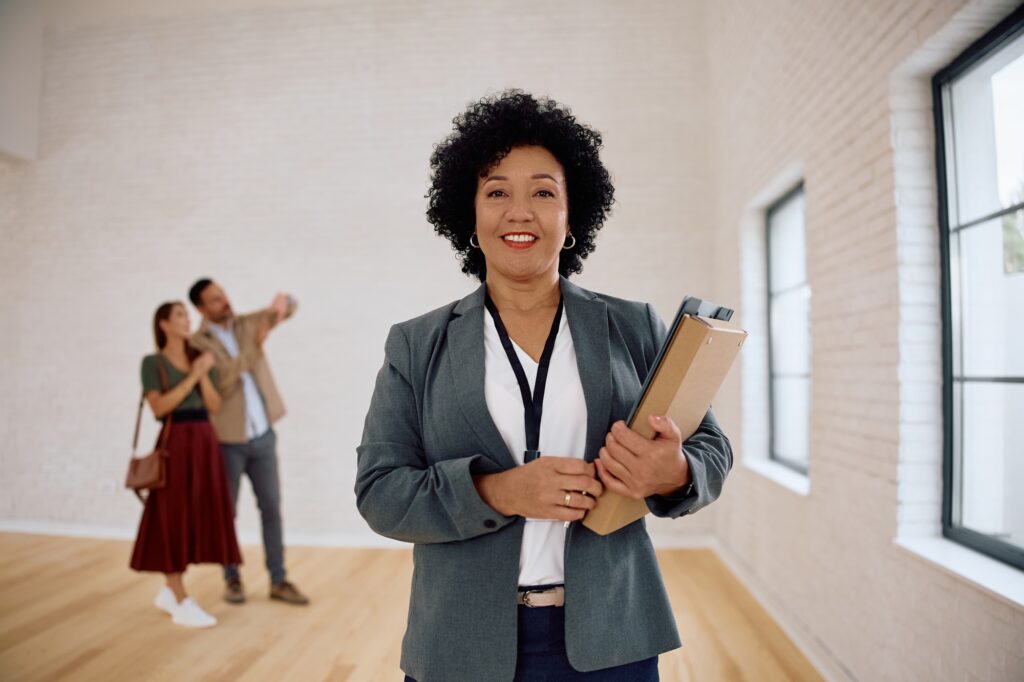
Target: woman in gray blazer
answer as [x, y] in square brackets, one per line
[496, 421]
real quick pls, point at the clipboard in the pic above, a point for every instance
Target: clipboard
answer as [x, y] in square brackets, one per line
[698, 352]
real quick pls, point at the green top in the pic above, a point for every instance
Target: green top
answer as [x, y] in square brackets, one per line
[151, 381]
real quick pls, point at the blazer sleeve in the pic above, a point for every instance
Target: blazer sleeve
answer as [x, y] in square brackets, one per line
[397, 492]
[707, 451]
[271, 316]
[230, 370]
[246, 326]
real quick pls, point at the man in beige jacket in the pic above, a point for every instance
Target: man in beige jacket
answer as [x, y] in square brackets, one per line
[250, 404]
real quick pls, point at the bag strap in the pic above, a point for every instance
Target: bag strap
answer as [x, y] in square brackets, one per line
[138, 422]
[165, 431]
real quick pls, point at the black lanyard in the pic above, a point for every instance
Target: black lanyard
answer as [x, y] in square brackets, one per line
[533, 405]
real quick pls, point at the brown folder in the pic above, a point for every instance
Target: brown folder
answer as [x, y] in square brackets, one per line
[690, 368]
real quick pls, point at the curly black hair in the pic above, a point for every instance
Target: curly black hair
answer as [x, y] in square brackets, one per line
[488, 130]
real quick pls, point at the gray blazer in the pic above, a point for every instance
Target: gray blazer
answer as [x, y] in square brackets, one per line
[428, 432]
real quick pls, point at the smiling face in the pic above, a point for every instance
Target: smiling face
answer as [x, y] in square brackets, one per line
[176, 325]
[522, 214]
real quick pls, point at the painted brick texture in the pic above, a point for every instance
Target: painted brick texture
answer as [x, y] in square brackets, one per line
[841, 90]
[287, 148]
[279, 146]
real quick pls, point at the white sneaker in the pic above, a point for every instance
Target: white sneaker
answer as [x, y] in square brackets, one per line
[165, 600]
[189, 614]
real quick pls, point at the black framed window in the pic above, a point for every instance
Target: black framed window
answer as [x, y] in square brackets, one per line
[979, 123]
[789, 332]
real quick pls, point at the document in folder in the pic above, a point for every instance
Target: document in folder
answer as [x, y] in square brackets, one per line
[688, 372]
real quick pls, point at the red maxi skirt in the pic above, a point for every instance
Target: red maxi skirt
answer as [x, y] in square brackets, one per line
[191, 520]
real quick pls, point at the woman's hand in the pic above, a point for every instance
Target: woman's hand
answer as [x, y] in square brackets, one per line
[559, 488]
[211, 398]
[637, 467]
[203, 364]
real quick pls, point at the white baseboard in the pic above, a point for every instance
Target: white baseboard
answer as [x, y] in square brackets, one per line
[355, 539]
[696, 541]
[813, 649]
[70, 530]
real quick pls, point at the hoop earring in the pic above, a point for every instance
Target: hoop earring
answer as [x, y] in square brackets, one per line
[471, 238]
[570, 247]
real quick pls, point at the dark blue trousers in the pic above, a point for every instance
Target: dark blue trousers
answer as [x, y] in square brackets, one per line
[542, 655]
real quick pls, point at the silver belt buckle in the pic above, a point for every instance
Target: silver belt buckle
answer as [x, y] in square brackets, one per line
[525, 595]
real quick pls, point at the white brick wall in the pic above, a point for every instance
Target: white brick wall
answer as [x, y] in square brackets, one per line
[841, 90]
[281, 146]
[21, 37]
[287, 147]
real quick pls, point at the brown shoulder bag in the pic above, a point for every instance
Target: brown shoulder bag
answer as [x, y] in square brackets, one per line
[150, 472]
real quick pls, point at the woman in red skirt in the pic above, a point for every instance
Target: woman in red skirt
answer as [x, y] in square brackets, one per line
[190, 520]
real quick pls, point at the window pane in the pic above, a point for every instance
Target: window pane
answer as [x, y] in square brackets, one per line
[791, 403]
[990, 297]
[992, 460]
[982, 116]
[790, 328]
[786, 253]
[987, 107]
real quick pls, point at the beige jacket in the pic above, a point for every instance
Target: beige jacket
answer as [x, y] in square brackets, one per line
[230, 421]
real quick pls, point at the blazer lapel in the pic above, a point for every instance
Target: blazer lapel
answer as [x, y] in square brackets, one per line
[211, 339]
[466, 358]
[588, 324]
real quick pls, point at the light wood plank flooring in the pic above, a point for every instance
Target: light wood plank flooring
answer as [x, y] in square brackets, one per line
[70, 609]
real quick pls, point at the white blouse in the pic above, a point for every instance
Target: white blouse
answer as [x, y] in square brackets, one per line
[563, 433]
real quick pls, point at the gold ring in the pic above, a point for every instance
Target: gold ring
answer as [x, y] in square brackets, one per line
[568, 496]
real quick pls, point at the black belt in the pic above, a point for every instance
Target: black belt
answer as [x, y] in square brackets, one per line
[199, 415]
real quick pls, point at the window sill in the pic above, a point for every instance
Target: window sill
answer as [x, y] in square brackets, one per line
[993, 576]
[781, 474]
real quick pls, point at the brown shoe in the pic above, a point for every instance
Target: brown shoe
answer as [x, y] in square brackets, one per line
[234, 593]
[287, 592]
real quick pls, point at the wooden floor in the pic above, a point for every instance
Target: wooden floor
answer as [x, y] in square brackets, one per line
[70, 609]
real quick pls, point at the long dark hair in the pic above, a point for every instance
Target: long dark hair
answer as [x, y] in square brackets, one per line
[160, 336]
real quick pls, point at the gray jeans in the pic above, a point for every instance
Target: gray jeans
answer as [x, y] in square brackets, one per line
[258, 460]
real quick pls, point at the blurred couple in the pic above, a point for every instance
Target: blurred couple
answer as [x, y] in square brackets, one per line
[215, 395]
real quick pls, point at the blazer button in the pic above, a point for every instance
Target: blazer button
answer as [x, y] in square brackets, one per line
[490, 523]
